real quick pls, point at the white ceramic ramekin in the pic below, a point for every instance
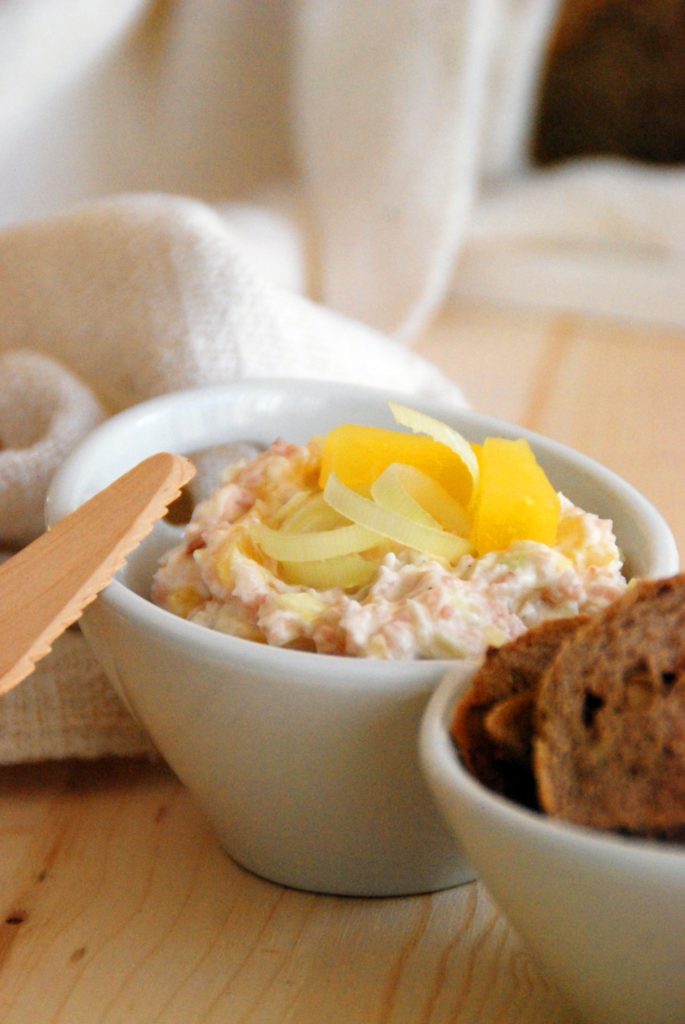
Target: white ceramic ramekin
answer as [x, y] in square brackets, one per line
[305, 764]
[604, 916]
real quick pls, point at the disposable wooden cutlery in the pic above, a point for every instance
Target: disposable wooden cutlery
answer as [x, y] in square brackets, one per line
[45, 587]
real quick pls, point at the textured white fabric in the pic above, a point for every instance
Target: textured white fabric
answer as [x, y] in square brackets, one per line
[396, 122]
[146, 294]
[390, 105]
[44, 411]
[369, 155]
[124, 299]
[66, 708]
[598, 237]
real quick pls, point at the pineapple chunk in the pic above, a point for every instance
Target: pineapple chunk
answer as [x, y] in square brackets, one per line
[515, 500]
[358, 455]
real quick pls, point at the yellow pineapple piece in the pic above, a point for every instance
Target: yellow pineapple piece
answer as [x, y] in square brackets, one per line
[358, 455]
[515, 500]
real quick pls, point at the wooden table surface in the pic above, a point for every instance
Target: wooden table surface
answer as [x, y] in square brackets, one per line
[118, 904]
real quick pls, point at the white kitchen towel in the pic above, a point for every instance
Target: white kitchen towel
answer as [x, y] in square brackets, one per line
[102, 307]
[381, 115]
[397, 130]
[600, 237]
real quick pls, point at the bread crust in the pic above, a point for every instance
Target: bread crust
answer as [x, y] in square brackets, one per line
[609, 747]
[493, 724]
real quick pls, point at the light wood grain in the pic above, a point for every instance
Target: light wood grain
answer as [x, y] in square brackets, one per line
[118, 905]
[131, 913]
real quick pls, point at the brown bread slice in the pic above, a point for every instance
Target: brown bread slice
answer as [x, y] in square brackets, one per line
[493, 723]
[609, 750]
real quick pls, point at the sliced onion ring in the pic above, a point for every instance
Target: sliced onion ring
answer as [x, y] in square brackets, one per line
[421, 423]
[346, 572]
[312, 514]
[370, 516]
[391, 492]
[410, 491]
[312, 546]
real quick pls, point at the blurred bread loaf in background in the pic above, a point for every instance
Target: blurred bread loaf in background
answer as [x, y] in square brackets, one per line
[613, 82]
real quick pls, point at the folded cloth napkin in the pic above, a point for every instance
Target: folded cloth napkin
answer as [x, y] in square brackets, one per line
[107, 305]
[44, 411]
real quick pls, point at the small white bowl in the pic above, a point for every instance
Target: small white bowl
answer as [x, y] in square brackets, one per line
[603, 915]
[305, 764]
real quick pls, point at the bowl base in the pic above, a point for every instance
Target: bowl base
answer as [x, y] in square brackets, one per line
[354, 884]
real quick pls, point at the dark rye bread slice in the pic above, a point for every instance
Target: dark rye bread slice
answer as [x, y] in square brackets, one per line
[493, 723]
[609, 750]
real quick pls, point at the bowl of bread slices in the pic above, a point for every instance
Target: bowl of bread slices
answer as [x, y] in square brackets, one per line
[560, 768]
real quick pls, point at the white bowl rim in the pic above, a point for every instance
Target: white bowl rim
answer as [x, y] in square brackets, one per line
[378, 673]
[440, 759]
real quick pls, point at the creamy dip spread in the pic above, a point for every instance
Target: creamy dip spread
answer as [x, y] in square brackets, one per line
[414, 606]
